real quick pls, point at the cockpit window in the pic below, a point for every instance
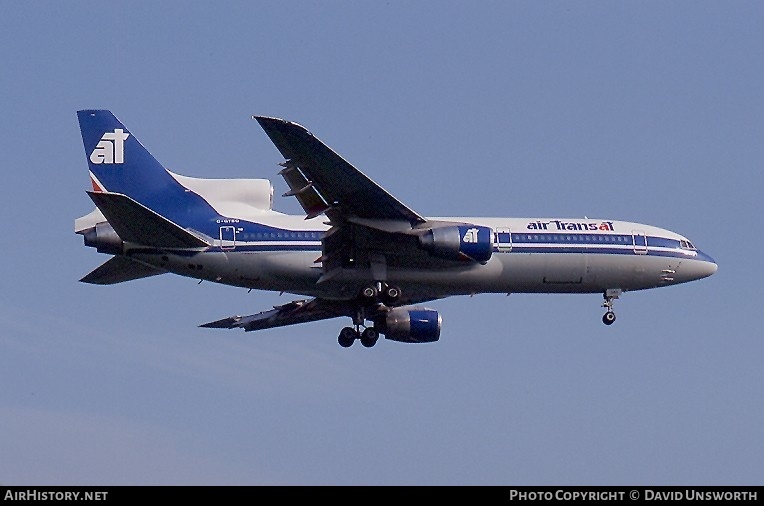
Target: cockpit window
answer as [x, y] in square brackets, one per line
[684, 244]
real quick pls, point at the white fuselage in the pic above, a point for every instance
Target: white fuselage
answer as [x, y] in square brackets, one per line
[530, 255]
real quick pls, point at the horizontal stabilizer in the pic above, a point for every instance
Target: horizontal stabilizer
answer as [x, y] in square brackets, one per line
[138, 224]
[299, 311]
[119, 270]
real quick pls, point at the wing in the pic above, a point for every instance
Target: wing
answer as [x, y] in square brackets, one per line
[324, 182]
[371, 230]
[299, 311]
[304, 311]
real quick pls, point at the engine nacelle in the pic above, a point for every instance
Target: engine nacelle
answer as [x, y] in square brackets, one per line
[459, 242]
[412, 325]
[103, 238]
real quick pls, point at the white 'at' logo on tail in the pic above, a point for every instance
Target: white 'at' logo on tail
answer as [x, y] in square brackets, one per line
[111, 147]
[471, 235]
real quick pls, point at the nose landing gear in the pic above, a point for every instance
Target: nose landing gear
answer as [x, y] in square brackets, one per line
[610, 295]
[608, 318]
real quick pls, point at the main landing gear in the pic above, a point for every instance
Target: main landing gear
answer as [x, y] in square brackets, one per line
[348, 335]
[610, 295]
[368, 336]
[381, 292]
[370, 296]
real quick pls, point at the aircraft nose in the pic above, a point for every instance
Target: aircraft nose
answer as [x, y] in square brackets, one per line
[707, 269]
[704, 266]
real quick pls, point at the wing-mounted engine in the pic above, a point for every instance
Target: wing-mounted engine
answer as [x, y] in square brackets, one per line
[407, 325]
[459, 242]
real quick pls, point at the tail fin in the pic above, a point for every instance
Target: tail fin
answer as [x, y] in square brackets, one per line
[119, 163]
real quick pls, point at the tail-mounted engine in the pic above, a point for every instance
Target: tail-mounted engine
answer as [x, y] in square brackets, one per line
[103, 238]
[411, 325]
[459, 242]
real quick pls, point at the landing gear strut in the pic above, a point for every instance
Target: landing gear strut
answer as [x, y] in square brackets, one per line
[610, 295]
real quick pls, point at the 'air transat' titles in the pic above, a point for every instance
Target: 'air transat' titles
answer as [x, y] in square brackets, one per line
[570, 225]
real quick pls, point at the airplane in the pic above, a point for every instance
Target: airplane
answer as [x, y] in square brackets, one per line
[357, 251]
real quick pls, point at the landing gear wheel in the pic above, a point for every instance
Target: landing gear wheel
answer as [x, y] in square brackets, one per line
[369, 337]
[610, 295]
[391, 295]
[370, 293]
[347, 336]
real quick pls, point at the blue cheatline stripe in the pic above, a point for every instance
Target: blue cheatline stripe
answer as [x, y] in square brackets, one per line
[270, 234]
[598, 244]
[657, 246]
[629, 251]
[275, 246]
[271, 247]
[592, 239]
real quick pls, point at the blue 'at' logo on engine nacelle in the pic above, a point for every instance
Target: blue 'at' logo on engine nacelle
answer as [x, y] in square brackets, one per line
[475, 242]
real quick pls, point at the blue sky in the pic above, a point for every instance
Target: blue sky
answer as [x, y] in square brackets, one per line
[643, 111]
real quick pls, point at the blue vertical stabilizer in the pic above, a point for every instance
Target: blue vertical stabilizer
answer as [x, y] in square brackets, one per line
[119, 163]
